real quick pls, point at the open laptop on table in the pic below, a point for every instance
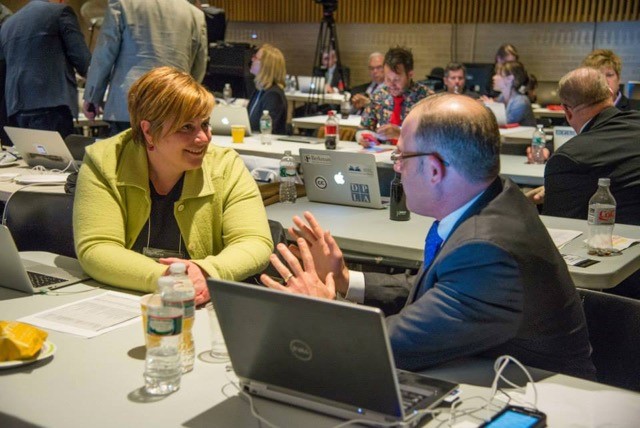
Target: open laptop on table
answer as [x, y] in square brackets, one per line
[223, 116]
[32, 277]
[38, 147]
[343, 178]
[499, 111]
[303, 351]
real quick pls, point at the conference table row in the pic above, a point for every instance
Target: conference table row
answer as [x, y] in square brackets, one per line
[98, 382]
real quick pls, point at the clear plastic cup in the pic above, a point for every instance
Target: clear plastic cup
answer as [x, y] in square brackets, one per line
[218, 347]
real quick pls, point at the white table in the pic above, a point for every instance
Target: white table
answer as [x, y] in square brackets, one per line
[545, 112]
[315, 122]
[352, 227]
[97, 382]
[297, 97]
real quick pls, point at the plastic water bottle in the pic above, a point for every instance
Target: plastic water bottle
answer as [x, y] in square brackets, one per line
[538, 142]
[182, 295]
[162, 369]
[288, 193]
[227, 93]
[601, 219]
[331, 131]
[266, 126]
[398, 207]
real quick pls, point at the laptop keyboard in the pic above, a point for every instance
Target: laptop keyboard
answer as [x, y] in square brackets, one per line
[41, 280]
[410, 399]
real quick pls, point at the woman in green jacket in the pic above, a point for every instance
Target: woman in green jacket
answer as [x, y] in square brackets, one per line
[159, 192]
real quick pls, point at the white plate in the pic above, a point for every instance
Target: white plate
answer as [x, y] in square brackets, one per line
[48, 349]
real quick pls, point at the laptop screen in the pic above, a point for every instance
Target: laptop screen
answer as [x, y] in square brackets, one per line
[300, 346]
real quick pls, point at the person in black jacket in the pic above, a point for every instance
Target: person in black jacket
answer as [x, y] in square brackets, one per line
[607, 145]
[268, 67]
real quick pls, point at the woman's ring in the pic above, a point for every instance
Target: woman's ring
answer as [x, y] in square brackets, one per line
[288, 278]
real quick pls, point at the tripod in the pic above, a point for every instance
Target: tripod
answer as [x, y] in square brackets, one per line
[326, 46]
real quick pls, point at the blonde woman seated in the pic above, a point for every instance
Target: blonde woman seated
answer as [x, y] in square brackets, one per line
[268, 67]
[159, 191]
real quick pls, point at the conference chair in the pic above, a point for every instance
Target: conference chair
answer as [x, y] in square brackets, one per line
[614, 332]
[41, 221]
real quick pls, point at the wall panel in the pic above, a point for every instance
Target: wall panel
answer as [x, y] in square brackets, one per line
[435, 11]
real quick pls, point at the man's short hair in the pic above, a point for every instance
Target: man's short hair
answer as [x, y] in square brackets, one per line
[603, 58]
[167, 98]
[454, 66]
[583, 86]
[399, 56]
[468, 141]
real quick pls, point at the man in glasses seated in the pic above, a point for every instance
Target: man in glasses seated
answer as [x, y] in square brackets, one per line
[492, 280]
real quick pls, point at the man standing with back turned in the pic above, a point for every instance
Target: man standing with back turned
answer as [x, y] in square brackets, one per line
[136, 37]
[43, 47]
[492, 280]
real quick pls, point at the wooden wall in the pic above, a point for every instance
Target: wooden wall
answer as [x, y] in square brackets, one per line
[434, 11]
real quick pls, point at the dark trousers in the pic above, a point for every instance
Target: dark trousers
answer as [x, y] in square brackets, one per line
[49, 119]
[117, 127]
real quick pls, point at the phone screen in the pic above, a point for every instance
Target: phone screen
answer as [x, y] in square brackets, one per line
[512, 419]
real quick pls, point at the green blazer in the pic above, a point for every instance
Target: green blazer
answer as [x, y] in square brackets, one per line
[220, 215]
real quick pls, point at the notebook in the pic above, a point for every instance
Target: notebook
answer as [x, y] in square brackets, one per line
[223, 116]
[499, 112]
[44, 148]
[311, 84]
[301, 351]
[341, 178]
[32, 277]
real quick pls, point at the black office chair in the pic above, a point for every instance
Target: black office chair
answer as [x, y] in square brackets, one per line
[41, 221]
[614, 332]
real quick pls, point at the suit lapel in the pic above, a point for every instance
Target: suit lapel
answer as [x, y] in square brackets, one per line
[420, 285]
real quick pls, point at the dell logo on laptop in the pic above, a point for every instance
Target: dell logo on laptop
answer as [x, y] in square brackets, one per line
[300, 350]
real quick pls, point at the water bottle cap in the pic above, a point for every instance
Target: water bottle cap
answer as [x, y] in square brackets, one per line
[226, 85]
[604, 181]
[265, 111]
[178, 268]
[330, 113]
[287, 152]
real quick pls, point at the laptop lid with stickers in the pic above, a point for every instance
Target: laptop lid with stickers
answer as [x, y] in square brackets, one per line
[341, 178]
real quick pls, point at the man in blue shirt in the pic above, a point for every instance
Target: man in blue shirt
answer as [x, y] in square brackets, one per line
[492, 281]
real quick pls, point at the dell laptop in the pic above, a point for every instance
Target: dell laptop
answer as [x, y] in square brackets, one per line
[41, 148]
[32, 277]
[223, 116]
[342, 178]
[327, 356]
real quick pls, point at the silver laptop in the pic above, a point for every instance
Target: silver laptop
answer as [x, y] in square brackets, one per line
[341, 178]
[311, 84]
[499, 111]
[223, 116]
[303, 351]
[45, 148]
[32, 277]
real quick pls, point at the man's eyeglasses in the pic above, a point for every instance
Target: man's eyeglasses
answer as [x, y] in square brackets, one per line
[396, 156]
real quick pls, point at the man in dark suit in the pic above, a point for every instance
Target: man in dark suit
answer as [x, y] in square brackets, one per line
[492, 281]
[44, 48]
[607, 145]
[361, 94]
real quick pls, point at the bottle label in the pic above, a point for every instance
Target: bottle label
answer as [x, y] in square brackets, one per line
[330, 129]
[265, 125]
[330, 142]
[538, 140]
[602, 215]
[189, 307]
[164, 325]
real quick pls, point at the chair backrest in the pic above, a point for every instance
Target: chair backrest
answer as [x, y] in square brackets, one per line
[614, 332]
[41, 221]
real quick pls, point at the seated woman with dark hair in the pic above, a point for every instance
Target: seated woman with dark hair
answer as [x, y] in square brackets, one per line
[159, 193]
[268, 67]
[511, 80]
